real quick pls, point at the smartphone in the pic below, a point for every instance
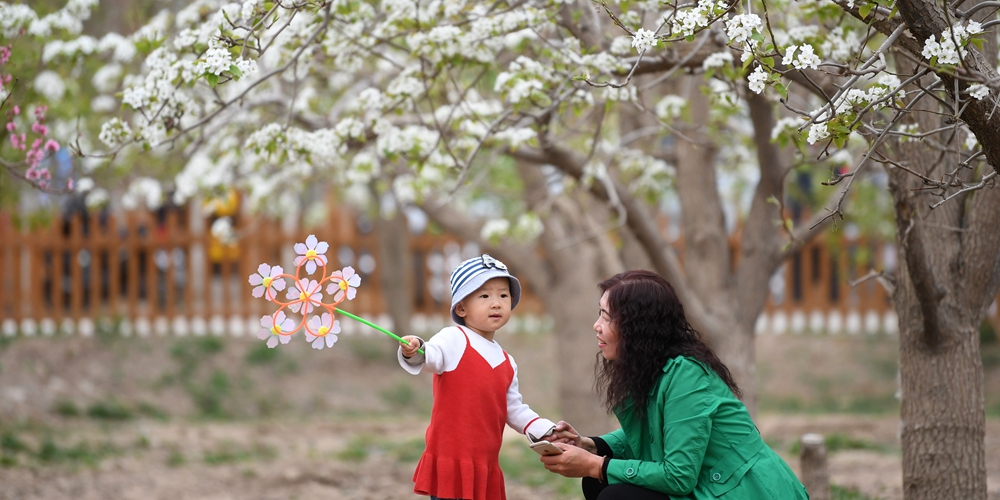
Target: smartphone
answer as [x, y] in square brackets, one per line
[545, 448]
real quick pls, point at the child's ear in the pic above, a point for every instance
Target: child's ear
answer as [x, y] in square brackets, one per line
[460, 309]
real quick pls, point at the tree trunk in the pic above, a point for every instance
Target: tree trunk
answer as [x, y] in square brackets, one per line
[395, 271]
[942, 414]
[575, 267]
[945, 278]
[572, 301]
[736, 348]
[707, 253]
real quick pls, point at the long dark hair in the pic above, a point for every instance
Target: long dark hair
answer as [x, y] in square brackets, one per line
[651, 330]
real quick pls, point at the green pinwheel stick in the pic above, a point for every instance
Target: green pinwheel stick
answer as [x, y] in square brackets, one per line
[373, 325]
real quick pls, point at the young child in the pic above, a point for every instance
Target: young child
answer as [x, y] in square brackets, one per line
[475, 387]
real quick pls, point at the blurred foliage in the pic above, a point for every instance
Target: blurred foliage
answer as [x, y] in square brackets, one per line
[111, 409]
[66, 408]
[16, 451]
[838, 492]
[521, 464]
[230, 452]
[260, 354]
[838, 441]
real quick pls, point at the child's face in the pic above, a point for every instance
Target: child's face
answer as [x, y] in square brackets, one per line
[487, 309]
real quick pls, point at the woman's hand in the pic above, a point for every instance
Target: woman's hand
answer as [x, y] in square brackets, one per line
[574, 462]
[565, 433]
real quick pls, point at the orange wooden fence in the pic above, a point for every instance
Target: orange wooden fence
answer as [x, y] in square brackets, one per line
[155, 269]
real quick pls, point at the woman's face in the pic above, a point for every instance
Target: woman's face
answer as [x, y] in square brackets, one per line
[607, 334]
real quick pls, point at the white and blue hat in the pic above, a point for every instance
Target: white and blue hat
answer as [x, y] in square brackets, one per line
[472, 274]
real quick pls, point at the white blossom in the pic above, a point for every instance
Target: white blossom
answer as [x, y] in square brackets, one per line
[978, 91]
[217, 60]
[15, 17]
[223, 230]
[246, 66]
[817, 132]
[123, 50]
[84, 184]
[103, 104]
[627, 94]
[528, 226]
[621, 46]
[670, 107]
[115, 132]
[741, 27]
[717, 60]
[907, 130]
[96, 198]
[51, 85]
[106, 79]
[950, 49]
[970, 140]
[644, 39]
[785, 124]
[494, 229]
[143, 190]
[516, 136]
[807, 58]
[757, 79]
[248, 9]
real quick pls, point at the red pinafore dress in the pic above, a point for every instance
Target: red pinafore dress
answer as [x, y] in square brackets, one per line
[461, 458]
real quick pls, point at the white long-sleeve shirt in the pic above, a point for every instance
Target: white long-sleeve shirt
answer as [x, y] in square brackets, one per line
[443, 352]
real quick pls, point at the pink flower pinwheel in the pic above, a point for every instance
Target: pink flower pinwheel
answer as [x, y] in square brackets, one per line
[276, 329]
[265, 281]
[305, 294]
[344, 282]
[310, 252]
[325, 335]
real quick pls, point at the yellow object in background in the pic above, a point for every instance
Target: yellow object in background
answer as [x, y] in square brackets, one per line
[225, 206]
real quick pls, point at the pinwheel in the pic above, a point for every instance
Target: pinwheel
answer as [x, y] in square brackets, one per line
[305, 296]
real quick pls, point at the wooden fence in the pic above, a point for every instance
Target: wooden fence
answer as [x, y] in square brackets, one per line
[161, 275]
[164, 273]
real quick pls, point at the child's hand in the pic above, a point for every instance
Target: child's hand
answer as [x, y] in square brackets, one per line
[410, 349]
[563, 433]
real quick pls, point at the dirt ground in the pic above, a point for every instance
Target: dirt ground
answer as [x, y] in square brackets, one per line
[346, 424]
[307, 460]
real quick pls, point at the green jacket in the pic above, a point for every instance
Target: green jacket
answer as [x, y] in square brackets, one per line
[697, 442]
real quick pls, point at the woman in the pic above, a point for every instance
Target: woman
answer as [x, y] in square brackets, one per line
[684, 432]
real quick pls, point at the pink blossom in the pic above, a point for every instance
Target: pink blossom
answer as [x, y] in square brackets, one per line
[325, 330]
[11, 126]
[69, 184]
[266, 281]
[276, 329]
[38, 128]
[306, 294]
[17, 109]
[34, 157]
[4, 54]
[52, 145]
[311, 252]
[344, 284]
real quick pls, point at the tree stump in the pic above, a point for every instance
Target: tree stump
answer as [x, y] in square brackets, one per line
[815, 475]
